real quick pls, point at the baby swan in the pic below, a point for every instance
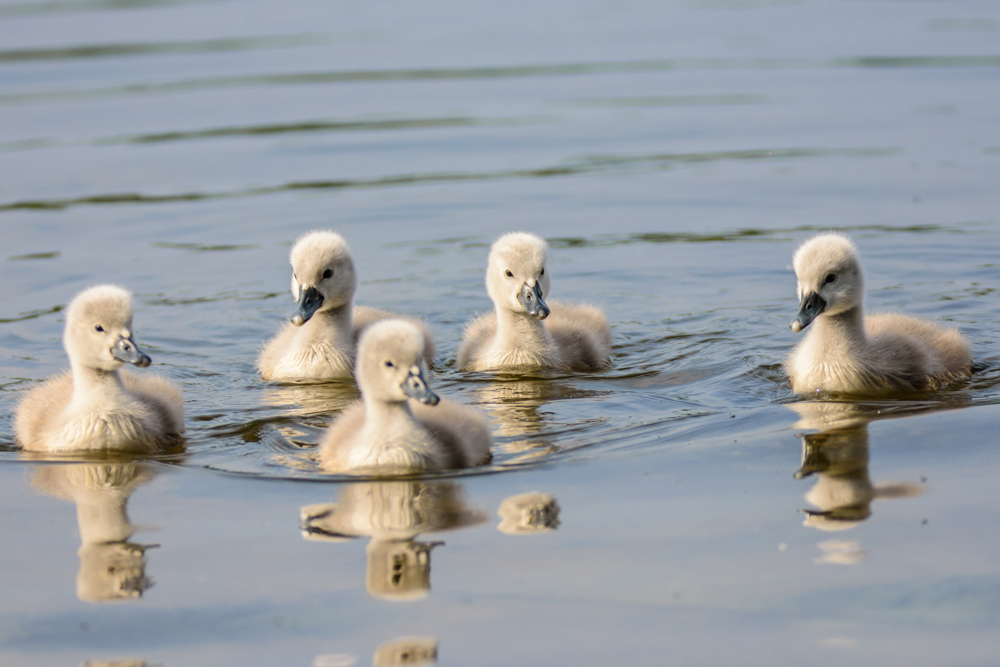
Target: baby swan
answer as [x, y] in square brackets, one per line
[94, 406]
[388, 432]
[846, 352]
[572, 337]
[318, 344]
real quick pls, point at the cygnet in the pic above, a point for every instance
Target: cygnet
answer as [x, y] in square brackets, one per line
[318, 344]
[400, 425]
[847, 353]
[95, 406]
[525, 331]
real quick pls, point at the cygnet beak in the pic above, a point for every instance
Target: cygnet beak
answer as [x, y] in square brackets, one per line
[415, 386]
[126, 350]
[812, 304]
[531, 299]
[309, 302]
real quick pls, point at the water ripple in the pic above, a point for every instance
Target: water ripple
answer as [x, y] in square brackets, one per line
[21, 9]
[32, 314]
[503, 72]
[273, 129]
[570, 168]
[158, 48]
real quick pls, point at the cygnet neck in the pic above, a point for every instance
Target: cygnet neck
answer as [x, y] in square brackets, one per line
[95, 386]
[843, 331]
[386, 417]
[519, 329]
[336, 324]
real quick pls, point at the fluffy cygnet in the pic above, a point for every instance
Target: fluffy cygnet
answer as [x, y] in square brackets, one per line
[319, 342]
[94, 406]
[525, 331]
[400, 425]
[846, 352]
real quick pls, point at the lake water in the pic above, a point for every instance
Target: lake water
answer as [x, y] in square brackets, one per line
[687, 508]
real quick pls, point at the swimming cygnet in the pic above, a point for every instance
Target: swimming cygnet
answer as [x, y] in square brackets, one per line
[846, 352]
[95, 406]
[319, 342]
[571, 337]
[400, 425]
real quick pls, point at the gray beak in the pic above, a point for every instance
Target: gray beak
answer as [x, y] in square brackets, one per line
[126, 350]
[415, 386]
[812, 304]
[309, 302]
[531, 299]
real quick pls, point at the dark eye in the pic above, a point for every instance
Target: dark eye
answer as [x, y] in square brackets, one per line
[829, 279]
[389, 364]
[543, 271]
[327, 273]
[509, 274]
[98, 327]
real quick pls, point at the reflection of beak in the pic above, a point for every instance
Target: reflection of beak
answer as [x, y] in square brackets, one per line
[812, 304]
[531, 299]
[415, 386]
[309, 302]
[814, 459]
[126, 350]
[848, 514]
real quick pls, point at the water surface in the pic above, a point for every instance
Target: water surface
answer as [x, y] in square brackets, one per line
[692, 510]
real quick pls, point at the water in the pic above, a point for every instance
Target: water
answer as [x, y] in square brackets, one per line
[674, 155]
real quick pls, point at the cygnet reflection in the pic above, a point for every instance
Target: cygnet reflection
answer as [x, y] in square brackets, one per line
[406, 651]
[838, 455]
[516, 409]
[305, 400]
[126, 662]
[401, 651]
[112, 568]
[528, 513]
[392, 514]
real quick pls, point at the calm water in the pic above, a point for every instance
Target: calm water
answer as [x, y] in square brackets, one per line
[690, 509]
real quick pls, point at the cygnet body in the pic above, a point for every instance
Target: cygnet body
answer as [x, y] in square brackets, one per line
[525, 331]
[845, 352]
[318, 344]
[400, 425]
[95, 406]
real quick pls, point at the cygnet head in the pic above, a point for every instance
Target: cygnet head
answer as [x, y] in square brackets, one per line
[829, 278]
[391, 366]
[99, 329]
[322, 274]
[516, 279]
